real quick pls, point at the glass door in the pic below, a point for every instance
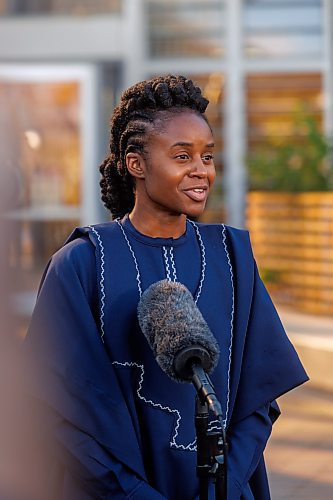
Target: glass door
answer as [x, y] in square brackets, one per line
[48, 137]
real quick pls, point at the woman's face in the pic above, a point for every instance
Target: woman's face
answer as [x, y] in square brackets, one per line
[178, 169]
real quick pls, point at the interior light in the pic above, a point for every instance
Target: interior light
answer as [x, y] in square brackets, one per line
[33, 138]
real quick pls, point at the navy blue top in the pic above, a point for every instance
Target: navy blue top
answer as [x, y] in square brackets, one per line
[124, 429]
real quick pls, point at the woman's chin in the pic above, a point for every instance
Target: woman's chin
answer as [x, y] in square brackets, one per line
[195, 212]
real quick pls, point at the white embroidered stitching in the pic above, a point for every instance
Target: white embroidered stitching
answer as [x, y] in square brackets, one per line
[173, 265]
[166, 262]
[133, 255]
[101, 317]
[203, 260]
[231, 323]
[173, 444]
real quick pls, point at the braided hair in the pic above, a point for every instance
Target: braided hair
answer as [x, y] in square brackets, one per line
[131, 121]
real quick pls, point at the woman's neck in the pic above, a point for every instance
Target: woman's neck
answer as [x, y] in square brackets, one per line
[158, 226]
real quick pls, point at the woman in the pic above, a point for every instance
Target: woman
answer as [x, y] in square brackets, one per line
[121, 427]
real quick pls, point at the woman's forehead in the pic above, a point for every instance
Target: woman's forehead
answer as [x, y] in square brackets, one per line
[180, 125]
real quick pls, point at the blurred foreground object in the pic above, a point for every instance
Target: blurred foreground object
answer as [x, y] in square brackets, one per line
[17, 456]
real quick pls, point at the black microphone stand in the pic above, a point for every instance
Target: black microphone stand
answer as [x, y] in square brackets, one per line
[190, 364]
[211, 454]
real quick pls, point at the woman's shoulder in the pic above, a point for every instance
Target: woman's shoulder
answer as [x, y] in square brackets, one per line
[74, 262]
[84, 248]
[74, 250]
[230, 235]
[81, 243]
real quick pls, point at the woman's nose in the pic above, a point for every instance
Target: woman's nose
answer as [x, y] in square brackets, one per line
[198, 169]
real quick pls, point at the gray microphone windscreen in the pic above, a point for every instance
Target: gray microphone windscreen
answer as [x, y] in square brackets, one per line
[171, 321]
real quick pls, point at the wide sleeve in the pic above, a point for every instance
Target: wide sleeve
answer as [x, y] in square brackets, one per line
[72, 379]
[247, 440]
[270, 366]
[265, 365]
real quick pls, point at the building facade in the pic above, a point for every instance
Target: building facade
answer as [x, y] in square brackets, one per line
[63, 64]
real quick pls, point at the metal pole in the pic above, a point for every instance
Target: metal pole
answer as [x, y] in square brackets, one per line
[89, 135]
[135, 42]
[328, 66]
[235, 118]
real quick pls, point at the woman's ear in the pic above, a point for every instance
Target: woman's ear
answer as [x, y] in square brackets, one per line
[135, 165]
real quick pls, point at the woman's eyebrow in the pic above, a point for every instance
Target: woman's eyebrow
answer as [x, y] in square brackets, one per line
[189, 144]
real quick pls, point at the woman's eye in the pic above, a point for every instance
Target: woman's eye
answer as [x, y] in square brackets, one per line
[182, 156]
[208, 157]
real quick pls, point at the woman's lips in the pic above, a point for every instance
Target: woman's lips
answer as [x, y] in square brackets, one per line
[196, 194]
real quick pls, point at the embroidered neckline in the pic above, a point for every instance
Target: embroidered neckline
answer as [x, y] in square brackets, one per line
[171, 258]
[150, 240]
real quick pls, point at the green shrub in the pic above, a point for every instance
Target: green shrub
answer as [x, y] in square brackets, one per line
[306, 165]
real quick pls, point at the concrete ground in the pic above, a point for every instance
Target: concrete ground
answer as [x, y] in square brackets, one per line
[299, 455]
[313, 338]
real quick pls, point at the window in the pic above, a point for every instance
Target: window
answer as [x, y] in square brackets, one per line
[282, 28]
[59, 7]
[41, 175]
[274, 102]
[185, 28]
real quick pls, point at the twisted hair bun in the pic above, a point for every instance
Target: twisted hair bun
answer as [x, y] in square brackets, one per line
[130, 122]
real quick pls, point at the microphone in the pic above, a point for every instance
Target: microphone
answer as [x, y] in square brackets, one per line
[181, 341]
